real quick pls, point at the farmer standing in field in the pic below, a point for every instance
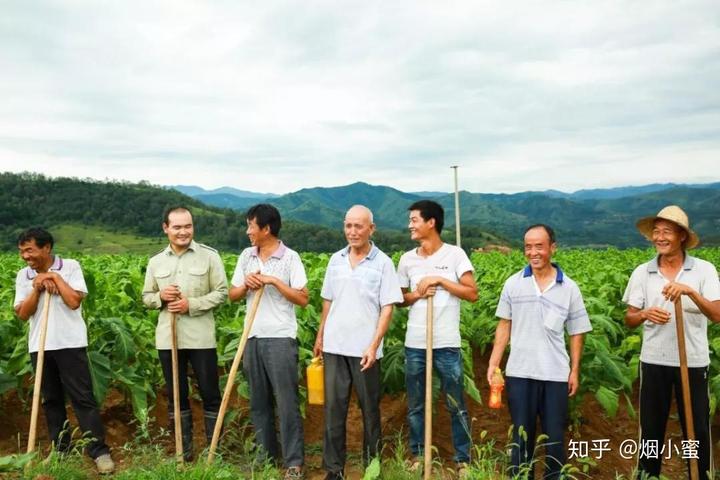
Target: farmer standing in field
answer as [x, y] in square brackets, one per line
[359, 291]
[435, 269]
[187, 279]
[270, 360]
[66, 369]
[650, 295]
[537, 306]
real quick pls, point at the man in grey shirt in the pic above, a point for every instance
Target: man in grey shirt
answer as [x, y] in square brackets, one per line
[358, 292]
[537, 306]
[650, 293]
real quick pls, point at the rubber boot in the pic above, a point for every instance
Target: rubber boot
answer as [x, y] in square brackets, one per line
[186, 425]
[210, 421]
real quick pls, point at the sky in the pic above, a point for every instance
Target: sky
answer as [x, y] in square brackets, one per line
[277, 96]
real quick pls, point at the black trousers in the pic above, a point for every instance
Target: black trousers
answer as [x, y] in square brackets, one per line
[66, 371]
[656, 387]
[342, 373]
[204, 364]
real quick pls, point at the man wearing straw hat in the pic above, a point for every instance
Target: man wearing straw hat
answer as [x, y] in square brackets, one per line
[359, 291]
[187, 279]
[66, 369]
[444, 272]
[650, 293]
[270, 360]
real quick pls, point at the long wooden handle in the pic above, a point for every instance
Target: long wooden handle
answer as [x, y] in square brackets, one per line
[38, 374]
[176, 390]
[249, 318]
[685, 380]
[427, 471]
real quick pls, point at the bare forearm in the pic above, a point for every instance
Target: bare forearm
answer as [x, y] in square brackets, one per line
[576, 348]
[298, 296]
[634, 317]
[383, 325]
[29, 306]
[710, 309]
[502, 338]
[70, 297]
[460, 290]
[323, 318]
[237, 293]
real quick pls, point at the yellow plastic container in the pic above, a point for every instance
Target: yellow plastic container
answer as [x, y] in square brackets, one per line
[316, 382]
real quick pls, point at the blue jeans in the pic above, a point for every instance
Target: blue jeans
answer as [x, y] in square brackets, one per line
[447, 362]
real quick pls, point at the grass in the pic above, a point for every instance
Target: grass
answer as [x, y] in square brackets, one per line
[98, 240]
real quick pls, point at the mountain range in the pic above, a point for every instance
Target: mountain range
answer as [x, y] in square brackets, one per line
[596, 217]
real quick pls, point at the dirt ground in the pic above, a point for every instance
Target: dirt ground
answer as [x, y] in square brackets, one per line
[594, 425]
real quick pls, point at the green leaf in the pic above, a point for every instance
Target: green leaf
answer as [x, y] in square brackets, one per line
[101, 374]
[372, 472]
[608, 399]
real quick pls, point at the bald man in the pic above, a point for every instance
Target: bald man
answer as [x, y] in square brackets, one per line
[359, 291]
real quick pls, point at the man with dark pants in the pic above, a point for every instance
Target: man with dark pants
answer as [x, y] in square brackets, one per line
[187, 279]
[358, 292]
[650, 295]
[270, 361]
[537, 306]
[435, 269]
[66, 369]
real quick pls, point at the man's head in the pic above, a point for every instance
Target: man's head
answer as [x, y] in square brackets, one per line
[358, 226]
[178, 226]
[540, 245]
[426, 219]
[263, 223]
[35, 247]
[669, 230]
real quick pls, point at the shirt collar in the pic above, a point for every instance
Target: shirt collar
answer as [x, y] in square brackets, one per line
[654, 265]
[278, 253]
[371, 255]
[193, 246]
[559, 276]
[56, 266]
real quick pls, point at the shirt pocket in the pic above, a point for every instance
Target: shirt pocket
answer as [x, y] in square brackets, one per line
[198, 280]
[554, 321]
[162, 278]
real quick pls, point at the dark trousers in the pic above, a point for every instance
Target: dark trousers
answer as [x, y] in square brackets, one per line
[204, 364]
[341, 374]
[67, 371]
[527, 399]
[271, 368]
[656, 386]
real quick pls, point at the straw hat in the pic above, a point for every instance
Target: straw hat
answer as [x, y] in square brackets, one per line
[671, 213]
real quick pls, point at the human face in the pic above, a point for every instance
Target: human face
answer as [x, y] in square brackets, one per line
[37, 258]
[358, 229]
[179, 229]
[256, 234]
[667, 237]
[538, 249]
[419, 228]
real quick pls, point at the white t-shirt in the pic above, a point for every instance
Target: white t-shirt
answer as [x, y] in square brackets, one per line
[66, 327]
[644, 290]
[357, 295]
[450, 262]
[275, 317]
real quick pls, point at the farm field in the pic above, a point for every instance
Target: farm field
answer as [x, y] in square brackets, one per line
[128, 379]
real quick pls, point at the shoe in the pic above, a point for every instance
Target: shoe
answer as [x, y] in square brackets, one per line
[105, 464]
[461, 468]
[335, 476]
[415, 465]
[294, 473]
[210, 421]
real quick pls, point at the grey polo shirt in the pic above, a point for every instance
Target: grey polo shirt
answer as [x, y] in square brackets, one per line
[539, 322]
[357, 295]
[644, 290]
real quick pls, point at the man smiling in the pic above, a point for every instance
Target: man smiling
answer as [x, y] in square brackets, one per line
[650, 293]
[537, 306]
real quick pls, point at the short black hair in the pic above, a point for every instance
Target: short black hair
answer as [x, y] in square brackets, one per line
[265, 214]
[548, 229]
[429, 209]
[41, 236]
[174, 208]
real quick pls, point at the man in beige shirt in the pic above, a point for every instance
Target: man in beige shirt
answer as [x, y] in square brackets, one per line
[187, 279]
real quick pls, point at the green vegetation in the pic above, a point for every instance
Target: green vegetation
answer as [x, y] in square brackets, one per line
[123, 356]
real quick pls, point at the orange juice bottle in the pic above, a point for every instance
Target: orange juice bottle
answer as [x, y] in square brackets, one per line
[496, 387]
[316, 382]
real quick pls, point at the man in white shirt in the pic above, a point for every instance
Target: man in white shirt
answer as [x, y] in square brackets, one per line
[435, 269]
[270, 360]
[66, 369]
[650, 295]
[359, 291]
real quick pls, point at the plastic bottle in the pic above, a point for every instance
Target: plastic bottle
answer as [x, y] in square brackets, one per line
[316, 382]
[496, 387]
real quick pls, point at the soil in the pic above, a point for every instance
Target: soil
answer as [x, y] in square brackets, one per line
[593, 425]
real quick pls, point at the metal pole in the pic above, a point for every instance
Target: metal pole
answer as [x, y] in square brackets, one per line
[457, 208]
